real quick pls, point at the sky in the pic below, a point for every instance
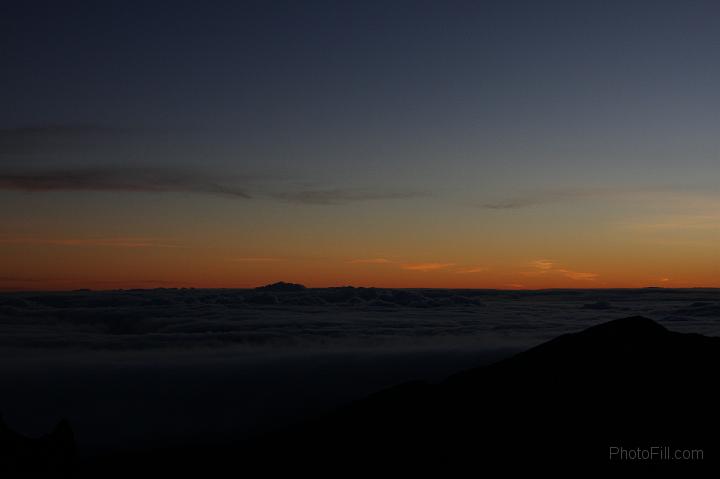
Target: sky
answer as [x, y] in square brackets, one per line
[497, 144]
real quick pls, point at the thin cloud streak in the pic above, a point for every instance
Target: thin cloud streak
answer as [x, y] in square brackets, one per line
[422, 267]
[546, 266]
[577, 275]
[426, 267]
[541, 198]
[153, 180]
[473, 270]
[62, 143]
[679, 223]
[256, 260]
[169, 180]
[339, 196]
[108, 242]
[572, 194]
[543, 264]
[371, 261]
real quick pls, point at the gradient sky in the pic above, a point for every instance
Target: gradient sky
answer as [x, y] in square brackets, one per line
[507, 144]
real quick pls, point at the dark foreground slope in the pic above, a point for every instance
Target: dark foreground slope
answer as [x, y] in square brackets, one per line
[583, 401]
[624, 385]
[52, 455]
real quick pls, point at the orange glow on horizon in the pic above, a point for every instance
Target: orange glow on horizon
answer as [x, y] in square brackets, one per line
[528, 254]
[100, 269]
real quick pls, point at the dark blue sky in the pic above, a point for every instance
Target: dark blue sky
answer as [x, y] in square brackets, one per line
[467, 108]
[203, 63]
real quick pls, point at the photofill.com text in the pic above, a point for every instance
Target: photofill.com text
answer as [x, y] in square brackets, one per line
[655, 453]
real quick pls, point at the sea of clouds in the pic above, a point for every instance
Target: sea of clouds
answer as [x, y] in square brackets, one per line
[332, 318]
[136, 367]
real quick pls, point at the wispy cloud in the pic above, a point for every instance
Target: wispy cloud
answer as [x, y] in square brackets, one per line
[472, 270]
[109, 242]
[154, 180]
[540, 198]
[62, 145]
[577, 275]
[549, 267]
[422, 267]
[259, 259]
[338, 196]
[371, 261]
[425, 267]
[682, 222]
[543, 197]
[171, 180]
[543, 264]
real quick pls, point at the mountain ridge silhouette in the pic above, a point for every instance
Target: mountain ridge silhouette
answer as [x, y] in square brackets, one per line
[560, 406]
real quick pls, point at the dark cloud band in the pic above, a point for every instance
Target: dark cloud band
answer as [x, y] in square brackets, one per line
[108, 179]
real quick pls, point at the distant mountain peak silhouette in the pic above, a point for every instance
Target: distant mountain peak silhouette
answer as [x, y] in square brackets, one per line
[632, 327]
[281, 287]
[610, 346]
[628, 330]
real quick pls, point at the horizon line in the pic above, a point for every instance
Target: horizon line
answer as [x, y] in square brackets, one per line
[101, 290]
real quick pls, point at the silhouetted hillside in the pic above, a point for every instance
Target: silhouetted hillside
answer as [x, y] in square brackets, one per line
[627, 383]
[50, 456]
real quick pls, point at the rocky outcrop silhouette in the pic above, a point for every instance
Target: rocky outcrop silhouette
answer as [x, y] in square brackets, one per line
[49, 456]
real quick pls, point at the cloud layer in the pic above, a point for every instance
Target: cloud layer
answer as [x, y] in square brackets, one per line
[46, 147]
[426, 267]
[94, 357]
[339, 196]
[170, 180]
[366, 318]
[423, 267]
[120, 242]
[563, 195]
[116, 179]
[549, 267]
